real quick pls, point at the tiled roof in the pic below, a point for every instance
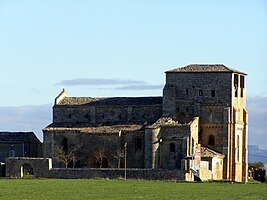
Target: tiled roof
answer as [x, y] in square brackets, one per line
[113, 101]
[204, 68]
[99, 129]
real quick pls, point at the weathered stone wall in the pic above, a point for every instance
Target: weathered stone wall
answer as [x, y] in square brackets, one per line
[188, 86]
[42, 169]
[167, 146]
[239, 135]
[147, 174]
[217, 168]
[90, 143]
[81, 115]
[41, 166]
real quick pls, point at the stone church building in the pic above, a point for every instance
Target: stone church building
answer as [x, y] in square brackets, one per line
[201, 104]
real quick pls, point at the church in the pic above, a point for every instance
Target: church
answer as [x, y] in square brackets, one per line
[203, 108]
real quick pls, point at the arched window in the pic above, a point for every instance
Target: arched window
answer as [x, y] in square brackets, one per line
[65, 144]
[172, 148]
[138, 144]
[211, 140]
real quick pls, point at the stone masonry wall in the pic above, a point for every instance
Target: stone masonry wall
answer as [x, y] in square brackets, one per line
[196, 87]
[42, 169]
[147, 174]
[78, 116]
[40, 166]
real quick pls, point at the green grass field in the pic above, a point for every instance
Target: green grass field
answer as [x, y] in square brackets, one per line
[130, 189]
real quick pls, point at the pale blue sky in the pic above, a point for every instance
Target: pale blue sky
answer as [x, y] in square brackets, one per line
[122, 48]
[43, 43]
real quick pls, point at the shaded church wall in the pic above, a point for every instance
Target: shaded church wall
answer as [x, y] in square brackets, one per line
[79, 115]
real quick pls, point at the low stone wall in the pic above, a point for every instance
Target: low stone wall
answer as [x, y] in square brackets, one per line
[148, 174]
[42, 169]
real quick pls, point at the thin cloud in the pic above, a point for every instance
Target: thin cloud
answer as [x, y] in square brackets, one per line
[26, 118]
[140, 87]
[98, 81]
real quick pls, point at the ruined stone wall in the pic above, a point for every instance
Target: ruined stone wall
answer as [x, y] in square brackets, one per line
[40, 166]
[168, 145]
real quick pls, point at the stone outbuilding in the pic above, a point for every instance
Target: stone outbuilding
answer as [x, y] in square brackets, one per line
[19, 144]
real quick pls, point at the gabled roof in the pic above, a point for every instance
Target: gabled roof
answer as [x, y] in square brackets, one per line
[18, 136]
[204, 68]
[114, 101]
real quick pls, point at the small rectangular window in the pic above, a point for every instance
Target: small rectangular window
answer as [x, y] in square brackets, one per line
[242, 81]
[200, 93]
[11, 153]
[210, 164]
[236, 84]
[186, 91]
[212, 93]
[236, 80]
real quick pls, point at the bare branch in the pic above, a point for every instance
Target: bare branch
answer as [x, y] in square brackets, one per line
[64, 156]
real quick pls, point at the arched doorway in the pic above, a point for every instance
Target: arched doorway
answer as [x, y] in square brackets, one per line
[27, 171]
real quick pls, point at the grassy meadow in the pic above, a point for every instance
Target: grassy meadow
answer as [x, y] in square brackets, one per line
[130, 189]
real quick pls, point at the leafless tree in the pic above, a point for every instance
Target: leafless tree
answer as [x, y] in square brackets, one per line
[118, 155]
[99, 155]
[65, 156]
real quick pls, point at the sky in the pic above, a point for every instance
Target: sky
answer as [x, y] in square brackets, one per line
[122, 48]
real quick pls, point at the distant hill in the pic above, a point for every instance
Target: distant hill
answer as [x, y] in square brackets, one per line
[255, 154]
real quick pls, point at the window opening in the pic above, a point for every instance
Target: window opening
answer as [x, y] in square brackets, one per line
[211, 140]
[212, 93]
[242, 85]
[65, 144]
[138, 144]
[69, 115]
[172, 148]
[210, 164]
[242, 81]
[12, 153]
[236, 84]
[200, 93]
